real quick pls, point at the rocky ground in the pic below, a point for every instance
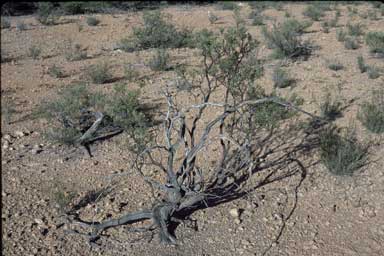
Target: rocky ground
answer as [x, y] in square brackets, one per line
[320, 215]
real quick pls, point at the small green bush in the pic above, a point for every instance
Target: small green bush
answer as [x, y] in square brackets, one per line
[361, 64]
[228, 5]
[5, 22]
[212, 18]
[330, 108]
[257, 18]
[373, 72]
[375, 42]
[351, 43]
[280, 78]
[74, 52]
[99, 73]
[55, 71]
[92, 21]
[130, 73]
[158, 32]
[342, 155]
[355, 29]
[47, 14]
[159, 61]
[21, 26]
[313, 12]
[341, 35]
[34, 52]
[285, 40]
[371, 114]
[335, 65]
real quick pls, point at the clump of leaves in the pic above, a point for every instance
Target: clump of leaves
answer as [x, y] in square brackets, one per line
[99, 73]
[361, 64]
[373, 72]
[285, 40]
[158, 32]
[159, 61]
[313, 12]
[281, 78]
[56, 72]
[330, 108]
[74, 52]
[335, 65]
[342, 155]
[47, 14]
[5, 22]
[375, 42]
[351, 43]
[341, 35]
[34, 52]
[355, 29]
[371, 114]
[92, 21]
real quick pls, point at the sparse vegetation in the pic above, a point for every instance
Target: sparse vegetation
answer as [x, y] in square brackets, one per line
[314, 12]
[335, 65]
[228, 5]
[330, 108]
[55, 71]
[212, 18]
[5, 22]
[355, 29]
[361, 64]
[371, 114]
[341, 35]
[280, 78]
[74, 52]
[257, 18]
[92, 21]
[21, 26]
[159, 61]
[47, 14]
[351, 43]
[375, 42]
[373, 72]
[130, 73]
[342, 155]
[34, 52]
[99, 73]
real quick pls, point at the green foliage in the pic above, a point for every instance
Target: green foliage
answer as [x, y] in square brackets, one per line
[330, 108]
[313, 12]
[47, 14]
[355, 29]
[5, 22]
[371, 114]
[341, 35]
[157, 32]
[373, 72]
[335, 65]
[55, 71]
[74, 52]
[99, 73]
[159, 61]
[228, 5]
[92, 21]
[342, 155]
[281, 78]
[351, 43]
[130, 73]
[375, 42]
[212, 18]
[361, 64]
[34, 52]
[80, 7]
[285, 40]
[7, 110]
[21, 26]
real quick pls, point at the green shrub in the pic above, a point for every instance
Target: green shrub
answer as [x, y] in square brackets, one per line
[55, 71]
[375, 42]
[342, 155]
[285, 40]
[92, 21]
[127, 45]
[47, 14]
[74, 52]
[355, 29]
[335, 65]
[5, 22]
[157, 32]
[99, 73]
[341, 35]
[313, 12]
[361, 64]
[34, 52]
[228, 5]
[280, 78]
[130, 73]
[212, 18]
[257, 18]
[159, 61]
[21, 26]
[351, 43]
[330, 108]
[371, 114]
[373, 72]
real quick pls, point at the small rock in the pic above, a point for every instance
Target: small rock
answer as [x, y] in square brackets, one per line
[39, 221]
[234, 212]
[19, 134]
[7, 137]
[368, 211]
[237, 221]
[6, 145]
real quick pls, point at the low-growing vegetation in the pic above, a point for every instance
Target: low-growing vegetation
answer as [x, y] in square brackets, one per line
[56, 72]
[74, 52]
[281, 78]
[99, 73]
[160, 61]
[375, 42]
[361, 64]
[92, 21]
[371, 113]
[34, 52]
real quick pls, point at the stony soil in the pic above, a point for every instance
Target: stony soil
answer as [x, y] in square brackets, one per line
[328, 215]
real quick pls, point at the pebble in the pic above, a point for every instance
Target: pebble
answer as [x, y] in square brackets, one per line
[7, 137]
[20, 134]
[234, 212]
[368, 211]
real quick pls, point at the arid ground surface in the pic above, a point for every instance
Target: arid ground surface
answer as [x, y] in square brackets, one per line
[328, 215]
